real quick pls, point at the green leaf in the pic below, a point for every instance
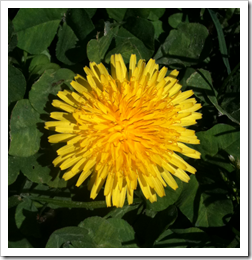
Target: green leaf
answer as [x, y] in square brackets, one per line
[12, 36]
[142, 29]
[93, 51]
[40, 59]
[13, 201]
[25, 218]
[10, 29]
[41, 68]
[169, 240]
[23, 243]
[230, 99]
[125, 232]
[221, 39]
[229, 13]
[39, 64]
[170, 197]
[13, 169]
[80, 22]
[47, 86]
[102, 232]
[65, 203]
[120, 212]
[90, 11]
[41, 192]
[158, 28]
[67, 234]
[116, 13]
[137, 12]
[24, 134]
[96, 49]
[46, 53]
[39, 169]
[235, 243]
[193, 234]
[201, 80]
[127, 44]
[175, 20]
[181, 238]
[66, 49]
[185, 46]
[36, 28]
[183, 76]
[219, 137]
[16, 84]
[156, 13]
[193, 204]
[232, 77]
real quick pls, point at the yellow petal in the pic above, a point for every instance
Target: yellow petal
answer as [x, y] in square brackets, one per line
[60, 138]
[169, 179]
[132, 65]
[84, 175]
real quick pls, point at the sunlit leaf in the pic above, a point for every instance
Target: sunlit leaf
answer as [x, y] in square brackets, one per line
[47, 87]
[176, 19]
[66, 235]
[36, 28]
[180, 49]
[13, 169]
[96, 49]
[24, 134]
[39, 169]
[125, 232]
[102, 232]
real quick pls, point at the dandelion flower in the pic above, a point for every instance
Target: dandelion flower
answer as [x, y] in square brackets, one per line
[125, 129]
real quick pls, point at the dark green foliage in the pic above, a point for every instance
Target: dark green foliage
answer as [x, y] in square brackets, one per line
[47, 48]
[16, 84]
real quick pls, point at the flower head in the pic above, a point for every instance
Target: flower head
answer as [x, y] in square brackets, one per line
[125, 129]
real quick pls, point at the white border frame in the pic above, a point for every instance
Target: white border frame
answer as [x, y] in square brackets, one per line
[243, 250]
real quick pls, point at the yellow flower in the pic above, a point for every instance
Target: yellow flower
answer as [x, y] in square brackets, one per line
[125, 129]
